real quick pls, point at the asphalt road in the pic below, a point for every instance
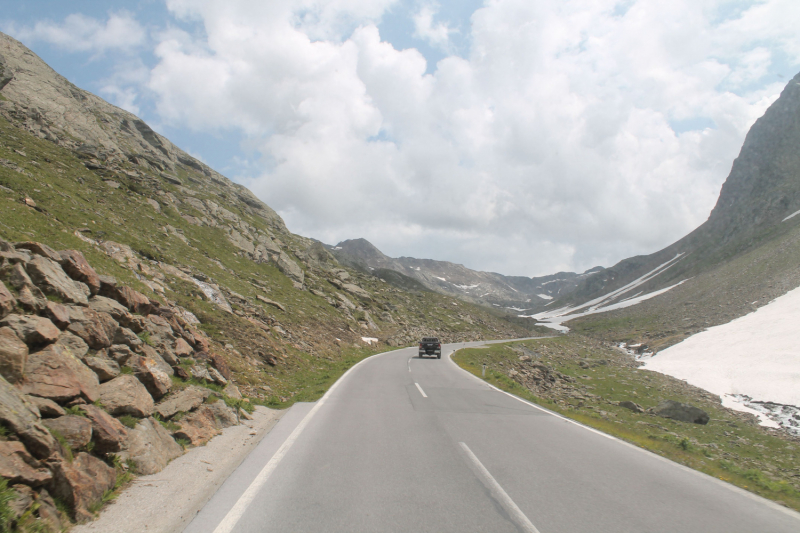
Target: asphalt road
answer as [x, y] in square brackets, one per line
[407, 444]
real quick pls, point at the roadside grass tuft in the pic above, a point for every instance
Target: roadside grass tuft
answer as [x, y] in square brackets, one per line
[129, 421]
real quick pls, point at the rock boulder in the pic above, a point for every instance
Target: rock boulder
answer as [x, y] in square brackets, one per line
[76, 267]
[51, 279]
[13, 355]
[82, 483]
[125, 395]
[186, 400]
[76, 430]
[75, 344]
[7, 301]
[33, 330]
[22, 418]
[17, 465]
[55, 373]
[97, 329]
[38, 249]
[198, 427]
[681, 411]
[150, 447]
[47, 408]
[108, 433]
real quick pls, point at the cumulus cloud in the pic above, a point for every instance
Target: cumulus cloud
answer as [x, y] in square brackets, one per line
[79, 33]
[438, 34]
[550, 146]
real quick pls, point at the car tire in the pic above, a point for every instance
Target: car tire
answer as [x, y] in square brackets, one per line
[439, 356]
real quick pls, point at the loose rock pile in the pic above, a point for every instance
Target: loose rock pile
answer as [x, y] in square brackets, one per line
[92, 383]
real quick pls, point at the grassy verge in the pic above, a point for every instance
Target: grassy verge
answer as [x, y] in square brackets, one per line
[591, 378]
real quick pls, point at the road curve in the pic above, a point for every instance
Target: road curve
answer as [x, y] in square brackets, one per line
[408, 444]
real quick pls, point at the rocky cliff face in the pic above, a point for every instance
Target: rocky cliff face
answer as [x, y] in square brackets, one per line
[762, 189]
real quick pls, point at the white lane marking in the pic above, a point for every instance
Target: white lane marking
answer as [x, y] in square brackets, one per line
[421, 391]
[235, 514]
[409, 363]
[497, 492]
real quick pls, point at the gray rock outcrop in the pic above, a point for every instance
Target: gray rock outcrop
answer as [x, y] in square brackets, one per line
[681, 412]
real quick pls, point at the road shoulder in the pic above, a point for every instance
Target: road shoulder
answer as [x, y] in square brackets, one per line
[169, 500]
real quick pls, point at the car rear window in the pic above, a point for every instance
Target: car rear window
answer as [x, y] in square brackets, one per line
[430, 339]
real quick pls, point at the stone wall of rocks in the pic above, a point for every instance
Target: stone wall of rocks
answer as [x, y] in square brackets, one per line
[80, 355]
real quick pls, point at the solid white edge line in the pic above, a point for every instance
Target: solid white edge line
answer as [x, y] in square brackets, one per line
[230, 520]
[514, 512]
[421, 391]
[755, 497]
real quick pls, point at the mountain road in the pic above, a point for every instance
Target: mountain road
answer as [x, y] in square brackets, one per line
[401, 443]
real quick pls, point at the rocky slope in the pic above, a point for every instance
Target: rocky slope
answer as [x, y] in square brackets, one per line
[515, 293]
[96, 381]
[208, 293]
[743, 256]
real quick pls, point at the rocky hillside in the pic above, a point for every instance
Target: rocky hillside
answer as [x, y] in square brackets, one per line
[743, 256]
[97, 381]
[143, 292]
[514, 293]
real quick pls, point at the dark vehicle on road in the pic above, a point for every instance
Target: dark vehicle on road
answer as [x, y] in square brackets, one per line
[430, 346]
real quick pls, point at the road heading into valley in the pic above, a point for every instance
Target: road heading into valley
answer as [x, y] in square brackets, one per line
[408, 444]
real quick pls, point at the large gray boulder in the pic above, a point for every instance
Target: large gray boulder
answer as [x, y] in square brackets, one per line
[150, 447]
[13, 355]
[51, 279]
[291, 269]
[22, 418]
[55, 373]
[681, 411]
[125, 395]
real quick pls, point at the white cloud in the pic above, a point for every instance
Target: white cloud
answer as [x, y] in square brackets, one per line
[437, 35]
[549, 147]
[79, 33]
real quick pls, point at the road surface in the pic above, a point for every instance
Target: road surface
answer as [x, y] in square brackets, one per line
[407, 444]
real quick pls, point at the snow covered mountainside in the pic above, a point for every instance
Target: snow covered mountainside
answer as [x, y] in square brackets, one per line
[514, 293]
[754, 219]
[720, 307]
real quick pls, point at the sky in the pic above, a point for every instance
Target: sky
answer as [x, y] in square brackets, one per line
[523, 137]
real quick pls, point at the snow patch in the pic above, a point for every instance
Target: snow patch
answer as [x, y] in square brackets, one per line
[437, 277]
[755, 356]
[467, 287]
[545, 296]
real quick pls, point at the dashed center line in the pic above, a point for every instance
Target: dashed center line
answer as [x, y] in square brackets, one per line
[421, 391]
